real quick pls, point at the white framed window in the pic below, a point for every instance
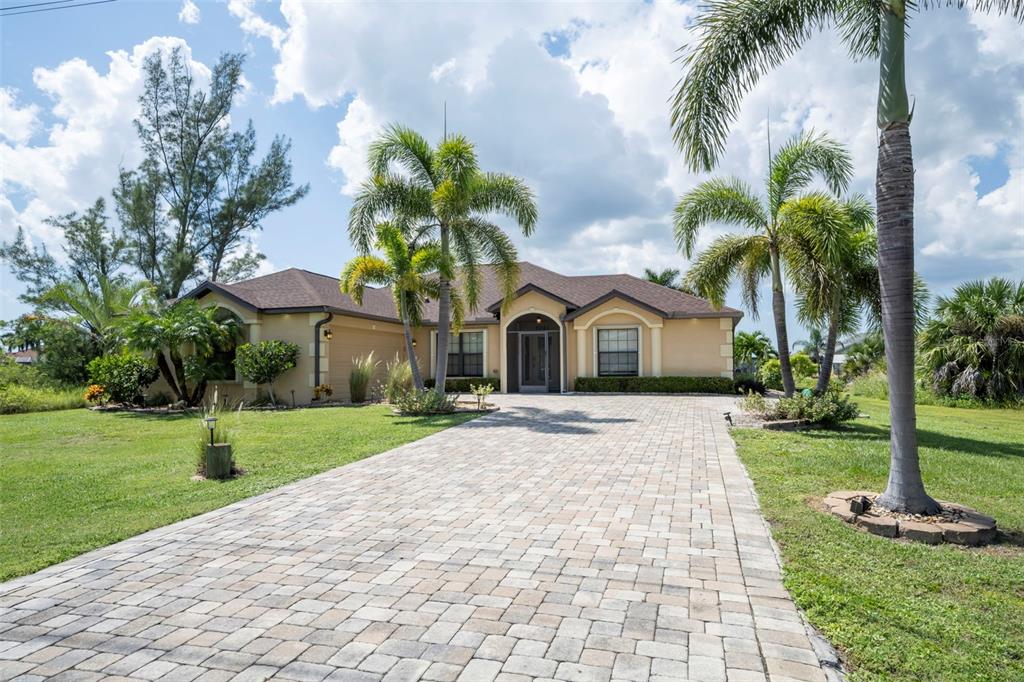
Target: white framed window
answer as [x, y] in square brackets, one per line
[618, 352]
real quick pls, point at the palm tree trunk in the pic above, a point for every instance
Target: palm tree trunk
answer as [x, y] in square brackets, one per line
[410, 350]
[168, 375]
[779, 312]
[443, 321]
[825, 367]
[894, 194]
[894, 189]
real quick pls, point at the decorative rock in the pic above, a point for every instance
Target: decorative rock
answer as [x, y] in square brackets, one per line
[928, 533]
[879, 525]
[964, 534]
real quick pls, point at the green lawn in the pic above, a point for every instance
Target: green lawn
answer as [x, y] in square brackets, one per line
[901, 611]
[75, 480]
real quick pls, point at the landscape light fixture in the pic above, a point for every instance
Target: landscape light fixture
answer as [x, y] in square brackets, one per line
[211, 423]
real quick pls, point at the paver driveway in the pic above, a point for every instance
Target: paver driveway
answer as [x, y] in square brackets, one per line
[574, 538]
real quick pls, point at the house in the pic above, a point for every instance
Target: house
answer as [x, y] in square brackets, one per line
[556, 328]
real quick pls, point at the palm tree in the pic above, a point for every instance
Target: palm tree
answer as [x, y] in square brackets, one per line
[739, 41]
[182, 338]
[813, 345]
[832, 259]
[406, 268]
[97, 308]
[757, 252]
[750, 349]
[975, 344]
[441, 192]
[667, 278]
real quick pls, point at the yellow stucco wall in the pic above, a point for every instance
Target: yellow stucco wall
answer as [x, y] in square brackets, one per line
[354, 338]
[697, 347]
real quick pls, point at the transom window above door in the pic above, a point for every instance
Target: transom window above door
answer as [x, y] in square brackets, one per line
[466, 354]
[618, 352]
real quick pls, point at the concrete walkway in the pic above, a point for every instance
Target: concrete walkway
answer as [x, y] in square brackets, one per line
[573, 538]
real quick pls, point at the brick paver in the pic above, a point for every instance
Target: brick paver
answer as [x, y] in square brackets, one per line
[564, 537]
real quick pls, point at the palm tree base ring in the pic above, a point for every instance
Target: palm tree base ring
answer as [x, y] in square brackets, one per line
[954, 524]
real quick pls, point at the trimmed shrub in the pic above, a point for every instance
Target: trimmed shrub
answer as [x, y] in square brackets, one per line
[464, 385]
[123, 376]
[803, 366]
[359, 380]
[722, 385]
[748, 383]
[828, 409]
[264, 362]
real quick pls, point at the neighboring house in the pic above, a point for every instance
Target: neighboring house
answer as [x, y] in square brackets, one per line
[556, 328]
[29, 356]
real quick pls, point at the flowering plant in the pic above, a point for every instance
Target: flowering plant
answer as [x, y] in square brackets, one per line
[94, 393]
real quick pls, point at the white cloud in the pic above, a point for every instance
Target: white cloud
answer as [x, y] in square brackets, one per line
[91, 136]
[16, 123]
[189, 13]
[253, 23]
[355, 132]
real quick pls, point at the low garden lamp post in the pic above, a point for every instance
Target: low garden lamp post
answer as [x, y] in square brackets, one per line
[211, 424]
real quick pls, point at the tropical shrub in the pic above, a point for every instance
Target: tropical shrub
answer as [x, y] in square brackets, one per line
[123, 376]
[803, 366]
[397, 379]
[65, 348]
[322, 391]
[748, 383]
[751, 349]
[425, 402]
[864, 356]
[827, 409]
[263, 362]
[464, 385]
[770, 374]
[359, 380]
[654, 385]
[94, 393]
[974, 345]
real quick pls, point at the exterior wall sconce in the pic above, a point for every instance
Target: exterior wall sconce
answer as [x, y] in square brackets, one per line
[414, 343]
[540, 321]
[328, 334]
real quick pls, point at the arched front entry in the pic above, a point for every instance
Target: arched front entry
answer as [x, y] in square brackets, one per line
[532, 349]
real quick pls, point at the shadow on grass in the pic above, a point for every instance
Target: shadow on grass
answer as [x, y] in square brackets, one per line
[153, 416]
[928, 439]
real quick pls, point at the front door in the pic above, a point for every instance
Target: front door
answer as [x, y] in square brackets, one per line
[533, 362]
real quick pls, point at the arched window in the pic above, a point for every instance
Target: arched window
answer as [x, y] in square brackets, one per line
[222, 363]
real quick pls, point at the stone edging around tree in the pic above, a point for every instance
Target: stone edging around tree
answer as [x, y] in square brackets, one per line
[961, 525]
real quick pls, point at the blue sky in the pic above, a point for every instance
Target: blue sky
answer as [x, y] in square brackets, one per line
[572, 97]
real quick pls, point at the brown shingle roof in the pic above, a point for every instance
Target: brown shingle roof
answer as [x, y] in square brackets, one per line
[296, 289]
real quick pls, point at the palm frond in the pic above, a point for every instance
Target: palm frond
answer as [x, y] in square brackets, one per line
[405, 147]
[500, 193]
[362, 271]
[738, 42]
[726, 200]
[712, 272]
[383, 197]
[800, 160]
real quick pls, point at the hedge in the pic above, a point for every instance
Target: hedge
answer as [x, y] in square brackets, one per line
[461, 385]
[655, 385]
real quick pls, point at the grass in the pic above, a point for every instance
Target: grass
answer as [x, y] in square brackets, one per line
[896, 610]
[15, 399]
[77, 480]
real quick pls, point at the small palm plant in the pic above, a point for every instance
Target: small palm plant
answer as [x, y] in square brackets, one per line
[362, 373]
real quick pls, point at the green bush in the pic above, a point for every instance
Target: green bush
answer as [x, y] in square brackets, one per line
[12, 372]
[264, 362]
[770, 374]
[828, 409]
[425, 402]
[463, 385]
[803, 366]
[655, 385]
[359, 380]
[15, 399]
[123, 376]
